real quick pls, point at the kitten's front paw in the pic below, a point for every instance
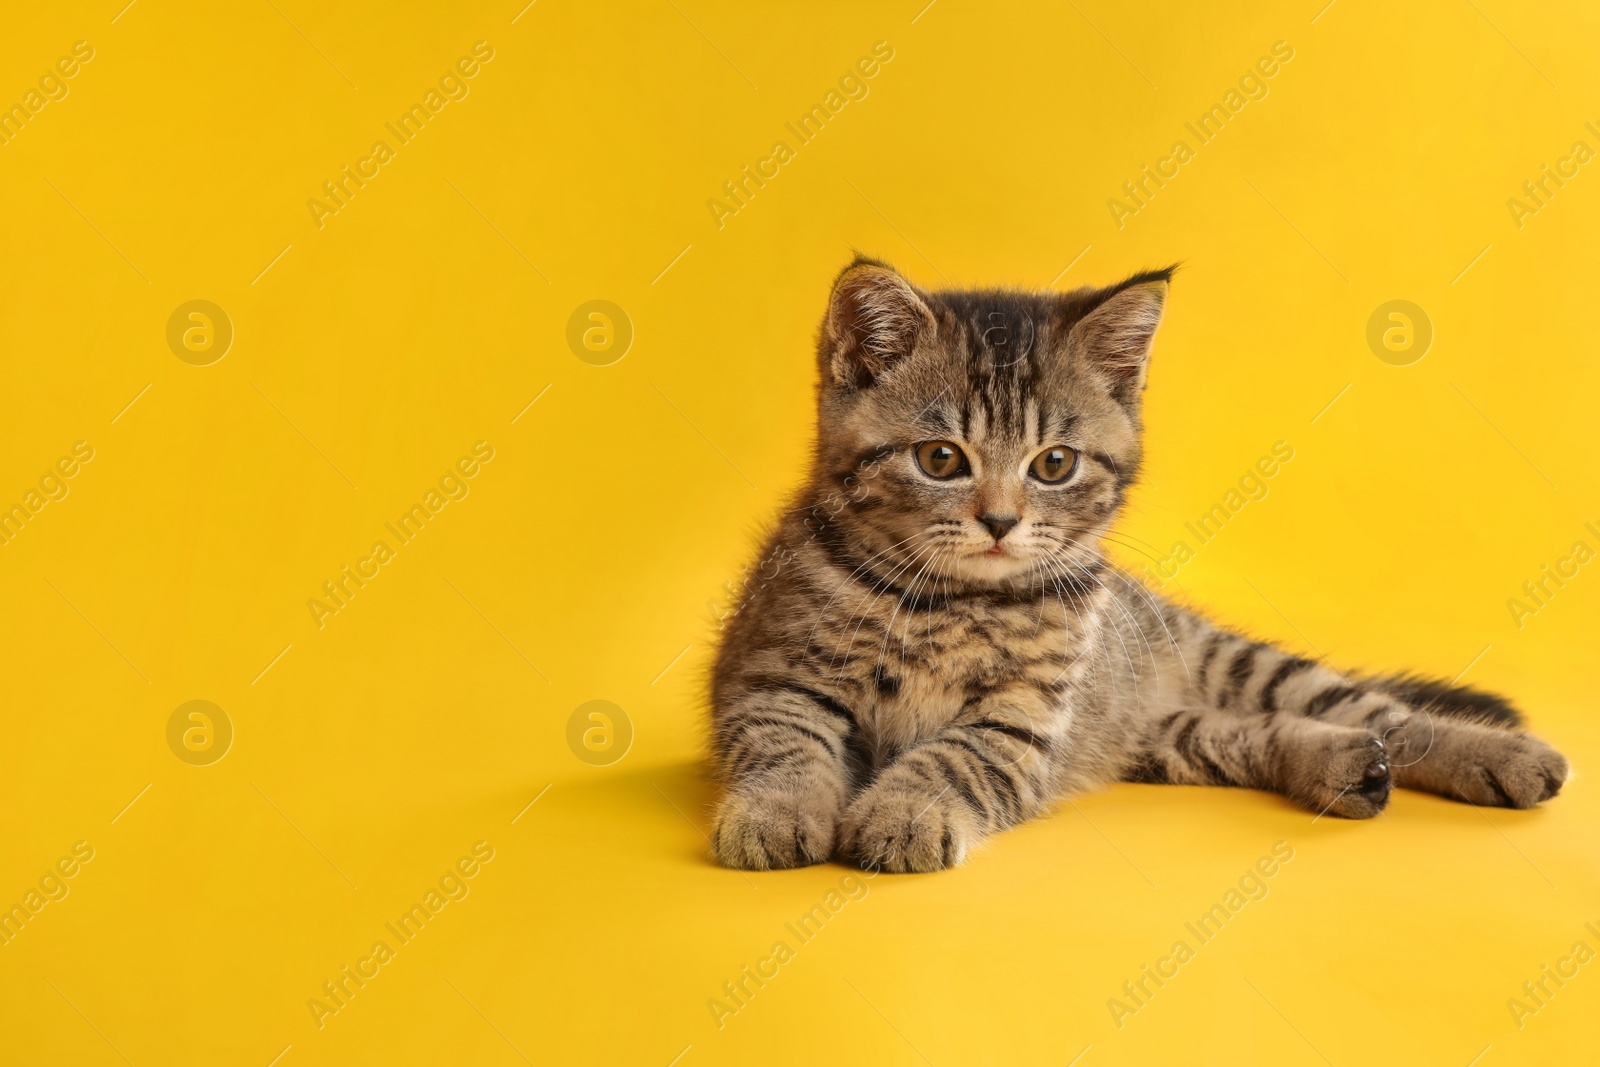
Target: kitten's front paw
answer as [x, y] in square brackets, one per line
[1349, 777]
[762, 830]
[900, 829]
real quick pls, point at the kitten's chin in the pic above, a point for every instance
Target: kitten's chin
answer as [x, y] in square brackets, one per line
[989, 568]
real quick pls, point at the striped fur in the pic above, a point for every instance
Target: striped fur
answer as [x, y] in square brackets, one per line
[898, 683]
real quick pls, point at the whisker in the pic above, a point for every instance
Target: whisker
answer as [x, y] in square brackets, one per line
[1117, 630]
[844, 584]
[1123, 608]
[861, 617]
[900, 602]
[1139, 588]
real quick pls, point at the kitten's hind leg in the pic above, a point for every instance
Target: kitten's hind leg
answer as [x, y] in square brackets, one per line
[1436, 751]
[1321, 766]
[1442, 738]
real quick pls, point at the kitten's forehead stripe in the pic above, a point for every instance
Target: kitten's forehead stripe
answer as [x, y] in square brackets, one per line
[940, 421]
[1000, 342]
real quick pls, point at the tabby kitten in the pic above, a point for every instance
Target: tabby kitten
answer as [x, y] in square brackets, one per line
[934, 645]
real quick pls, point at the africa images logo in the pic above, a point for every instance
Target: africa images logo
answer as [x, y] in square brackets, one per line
[342, 188]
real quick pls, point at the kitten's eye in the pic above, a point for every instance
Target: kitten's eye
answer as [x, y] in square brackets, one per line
[941, 459]
[1054, 464]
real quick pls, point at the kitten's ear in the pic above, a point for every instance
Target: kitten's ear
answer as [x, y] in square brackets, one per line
[1115, 336]
[874, 320]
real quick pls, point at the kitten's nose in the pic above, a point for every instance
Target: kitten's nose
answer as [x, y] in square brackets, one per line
[999, 525]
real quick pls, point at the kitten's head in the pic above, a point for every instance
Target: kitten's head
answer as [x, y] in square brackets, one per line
[983, 437]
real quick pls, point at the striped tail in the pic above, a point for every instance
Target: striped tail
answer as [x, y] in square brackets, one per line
[1454, 701]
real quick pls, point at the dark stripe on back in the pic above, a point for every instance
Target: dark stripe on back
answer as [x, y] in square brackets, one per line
[1290, 667]
[1324, 701]
[1212, 644]
[1238, 673]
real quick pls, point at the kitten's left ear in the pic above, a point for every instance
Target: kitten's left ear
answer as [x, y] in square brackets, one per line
[1115, 337]
[874, 320]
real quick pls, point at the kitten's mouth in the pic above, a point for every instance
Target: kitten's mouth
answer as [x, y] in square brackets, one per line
[996, 549]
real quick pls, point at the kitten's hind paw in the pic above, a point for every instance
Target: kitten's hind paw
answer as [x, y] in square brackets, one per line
[1487, 766]
[1510, 771]
[762, 830]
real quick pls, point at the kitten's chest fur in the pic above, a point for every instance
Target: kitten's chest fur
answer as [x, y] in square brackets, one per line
[917, 663]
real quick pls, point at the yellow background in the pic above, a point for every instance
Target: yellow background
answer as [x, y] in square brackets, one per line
[599, 543]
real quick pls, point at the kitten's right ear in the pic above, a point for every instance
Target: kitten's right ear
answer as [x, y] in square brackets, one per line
[874, 320]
